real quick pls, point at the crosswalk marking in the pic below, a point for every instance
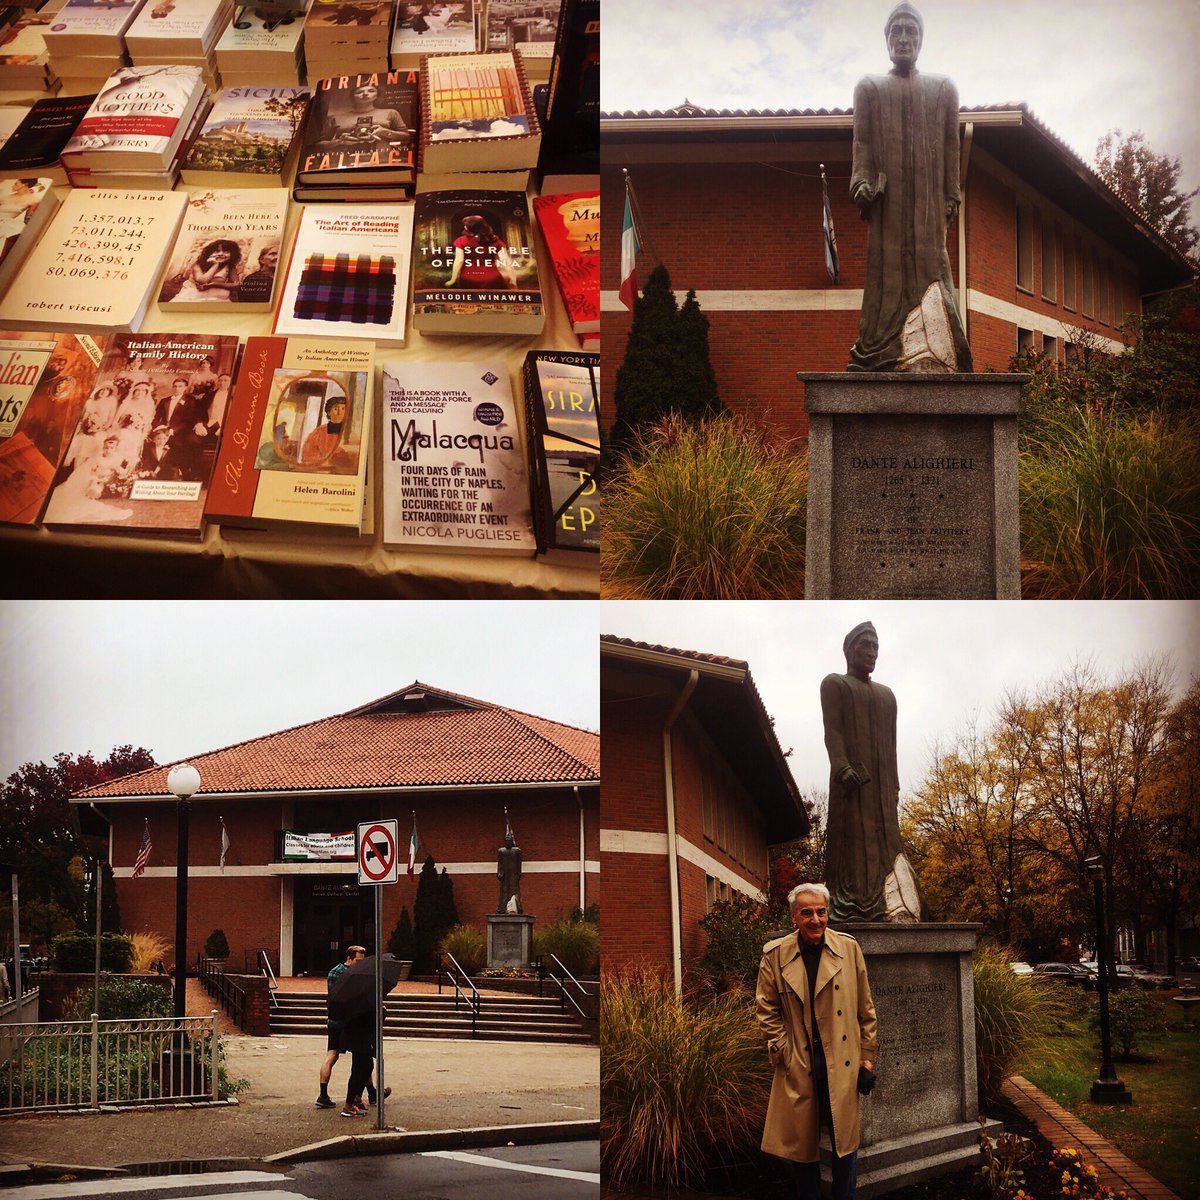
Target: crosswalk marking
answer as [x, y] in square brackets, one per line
[118, 1186]
[500, 1164]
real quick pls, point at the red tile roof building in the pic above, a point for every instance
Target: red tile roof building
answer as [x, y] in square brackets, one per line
[456, 761]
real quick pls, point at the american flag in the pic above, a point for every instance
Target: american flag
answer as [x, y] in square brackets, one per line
[143, 854]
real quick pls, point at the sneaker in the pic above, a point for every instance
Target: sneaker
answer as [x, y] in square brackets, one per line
[324, 1102]
[351, 1111]
[387, 1091]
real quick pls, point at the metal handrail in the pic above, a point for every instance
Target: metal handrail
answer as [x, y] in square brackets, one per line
[564, 995]
[474, 999]
[221, 986]
[272, 982]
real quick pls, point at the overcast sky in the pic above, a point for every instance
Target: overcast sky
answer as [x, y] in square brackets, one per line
[182, 678]
[945, 660]
[1083, 66]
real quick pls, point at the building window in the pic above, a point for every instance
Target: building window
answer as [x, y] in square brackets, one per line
[1049, 262]
[1024, 248]
[1068, 245]
[710, 892]
[1102, 307]
[706, 797]
[1089, 299]
[1114, 292]
[1050, 347]
[1024, 340]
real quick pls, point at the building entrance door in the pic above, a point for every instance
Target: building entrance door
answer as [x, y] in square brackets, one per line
[331, 913]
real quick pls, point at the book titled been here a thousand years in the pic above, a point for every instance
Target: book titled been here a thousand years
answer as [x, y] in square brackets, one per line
[142, 454]
[563, 418]
[44, 381]
[454, 475]
[96, 265]
[299, 436]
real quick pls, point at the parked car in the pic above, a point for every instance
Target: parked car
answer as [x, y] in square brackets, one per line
[1020, 968]
[1071, 974]
[1188, 964]
[1154, 979]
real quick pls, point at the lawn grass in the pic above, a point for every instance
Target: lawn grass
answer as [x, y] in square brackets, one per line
[1160, 1131]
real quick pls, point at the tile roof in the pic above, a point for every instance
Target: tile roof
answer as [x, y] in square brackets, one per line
[461, 741]
[718, 660]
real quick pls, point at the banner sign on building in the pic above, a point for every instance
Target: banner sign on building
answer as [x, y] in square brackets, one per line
[318, 847]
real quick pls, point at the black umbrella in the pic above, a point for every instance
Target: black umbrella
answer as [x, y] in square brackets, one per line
[353, 991]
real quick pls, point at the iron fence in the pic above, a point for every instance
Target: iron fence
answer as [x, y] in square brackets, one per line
[62, 1065]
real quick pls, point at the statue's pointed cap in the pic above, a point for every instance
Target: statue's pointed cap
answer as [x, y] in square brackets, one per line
[907, 10]
[856, 633]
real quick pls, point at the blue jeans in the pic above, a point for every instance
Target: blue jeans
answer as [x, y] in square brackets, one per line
[807, 1178]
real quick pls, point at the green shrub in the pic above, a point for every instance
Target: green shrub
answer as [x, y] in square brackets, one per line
[76, 951]
[575, 943]
[737, 930]
[1015, 1015]
[402, 944]
[1110, 503]
[1133, 1014]
[683, 1086]
[120, 1000]
[468, 946]
[216, 945]
[709, 510]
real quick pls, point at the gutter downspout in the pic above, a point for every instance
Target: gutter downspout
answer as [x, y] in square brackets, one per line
[582, 853]
[964, 162]
[672, 847]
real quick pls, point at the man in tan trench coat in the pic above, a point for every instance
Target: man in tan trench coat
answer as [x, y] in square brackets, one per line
[815, 972]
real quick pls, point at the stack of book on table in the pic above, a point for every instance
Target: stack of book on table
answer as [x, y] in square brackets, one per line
[184, 32]
[346, 37]
[526, 26]
[25, 68]
[261, 50]
[33, 148]
[86, 42]
[422, 28]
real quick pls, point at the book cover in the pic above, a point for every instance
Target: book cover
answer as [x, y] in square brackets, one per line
[26, 206]
[143, 451]
[44, 381]
[191, 25]
[525, 25]
[476, 114]
[570, 225]
[39, 139]
[572, 125]
[454, 475]
[248, 139]
[361, 128]
[474, 266]
[90, 26]
[299, 434]
[563, 418]
[24, 58]
[346, 26]
[433, 28]
[268, 33]
[348, 274]
[226, 252]
[97, 263]
[139, 117]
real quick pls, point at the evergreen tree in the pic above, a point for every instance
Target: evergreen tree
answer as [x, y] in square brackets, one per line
[448, 909]
[425, 917]
[402, 944]
[696, 382]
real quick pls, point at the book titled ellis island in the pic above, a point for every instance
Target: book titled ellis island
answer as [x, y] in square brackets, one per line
[454, 475]
[144, 448]
[36, 143]
[570, 225]
[44, 380]
[96, 266]
[474, 266]
[250, 138]
[227, 252]
[348, 274]
[299, 436]
[477, 114]
[562, 414]
[361, 129]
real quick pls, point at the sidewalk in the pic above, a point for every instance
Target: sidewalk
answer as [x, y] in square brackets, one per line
[436, 1084]
[1061, 1128]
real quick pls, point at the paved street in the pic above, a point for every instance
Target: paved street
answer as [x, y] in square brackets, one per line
[557, 1171]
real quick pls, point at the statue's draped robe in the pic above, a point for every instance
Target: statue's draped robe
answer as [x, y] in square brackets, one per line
[863, 829]
[906, 129]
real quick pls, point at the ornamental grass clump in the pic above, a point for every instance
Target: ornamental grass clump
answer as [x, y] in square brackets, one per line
[468, 946]
[684, 1083]
[706, 510]
[148, 948]
[1110, 504]
[576, 944]
[1015, 1016]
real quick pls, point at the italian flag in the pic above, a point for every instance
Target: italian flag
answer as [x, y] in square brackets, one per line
[412, 848]
[629, 253]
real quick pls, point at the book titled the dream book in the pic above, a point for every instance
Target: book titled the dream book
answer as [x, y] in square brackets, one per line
[570, 225]
[474, 267]
[454, 475]
[299, 436]
[144, 448]
[44, 381]
[348, 274]
[227, 252]
[562, 415]
[361, 129]
[96, 266]
[249, 139]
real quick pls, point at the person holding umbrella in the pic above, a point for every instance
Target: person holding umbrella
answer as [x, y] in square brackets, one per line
[352, 1003]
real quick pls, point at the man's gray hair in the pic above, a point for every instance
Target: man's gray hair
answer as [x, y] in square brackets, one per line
[816, 889]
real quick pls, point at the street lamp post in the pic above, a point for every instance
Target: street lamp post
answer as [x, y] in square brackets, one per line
[184, 782]
[1107, 1088]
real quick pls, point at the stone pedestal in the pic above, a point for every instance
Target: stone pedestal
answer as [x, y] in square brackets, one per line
[509, 940]
[921, 1119]
[912, 486]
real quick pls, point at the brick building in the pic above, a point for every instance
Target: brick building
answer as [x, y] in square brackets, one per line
[457, 762]
[696, 790]
[731, 205]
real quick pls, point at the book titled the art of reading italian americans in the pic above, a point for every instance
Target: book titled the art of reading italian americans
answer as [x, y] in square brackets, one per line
[454, 474]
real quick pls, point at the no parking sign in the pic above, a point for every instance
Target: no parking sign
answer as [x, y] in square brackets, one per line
[378, 861]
